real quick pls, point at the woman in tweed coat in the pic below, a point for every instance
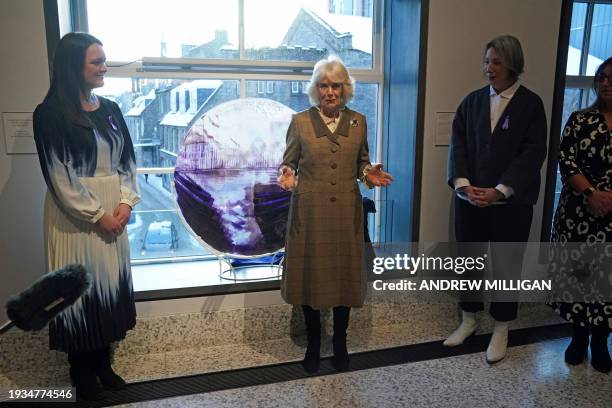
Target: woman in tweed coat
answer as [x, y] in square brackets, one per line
[327, 149]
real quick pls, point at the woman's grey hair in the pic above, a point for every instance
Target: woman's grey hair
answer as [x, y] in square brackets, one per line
[510, 51]
[333, 69]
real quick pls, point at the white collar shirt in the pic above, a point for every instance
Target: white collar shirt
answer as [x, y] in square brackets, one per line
[500, 101]
[331, 123]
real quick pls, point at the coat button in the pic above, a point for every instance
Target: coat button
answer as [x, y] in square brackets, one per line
[334, 165]
[333, 182]
[332, 199]
[334, 149]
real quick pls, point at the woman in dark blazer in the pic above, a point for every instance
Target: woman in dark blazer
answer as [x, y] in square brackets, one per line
[497, 148]
[327, 150]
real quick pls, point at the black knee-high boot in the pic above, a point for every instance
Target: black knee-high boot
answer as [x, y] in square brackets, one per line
[109, 379]
[312, 358]
[577, 349]
[600, 356]
[83, 376]
[340, 360]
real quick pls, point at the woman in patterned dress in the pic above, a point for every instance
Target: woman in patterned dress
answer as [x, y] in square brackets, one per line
[584, 215]
[88, 164]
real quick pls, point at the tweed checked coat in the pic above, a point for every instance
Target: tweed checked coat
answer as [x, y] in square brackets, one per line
[323, 264]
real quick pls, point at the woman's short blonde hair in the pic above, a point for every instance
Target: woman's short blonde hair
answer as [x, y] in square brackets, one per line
[509, 49]
[333, 69]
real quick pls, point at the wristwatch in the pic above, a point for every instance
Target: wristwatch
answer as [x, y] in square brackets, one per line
[588, 191]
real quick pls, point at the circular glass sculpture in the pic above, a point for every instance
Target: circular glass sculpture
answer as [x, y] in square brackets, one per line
[225, 177]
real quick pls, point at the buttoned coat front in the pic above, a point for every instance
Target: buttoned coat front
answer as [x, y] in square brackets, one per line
[323, 264]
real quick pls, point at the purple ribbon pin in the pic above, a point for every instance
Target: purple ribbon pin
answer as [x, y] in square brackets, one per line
[506, 123]
[112, 122]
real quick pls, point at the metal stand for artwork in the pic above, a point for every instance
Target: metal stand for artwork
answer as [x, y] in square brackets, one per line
[232, 273]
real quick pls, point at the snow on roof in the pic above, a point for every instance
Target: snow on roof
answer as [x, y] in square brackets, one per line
[198, 84]
[139, 104]
[182, 118]
[359, 27]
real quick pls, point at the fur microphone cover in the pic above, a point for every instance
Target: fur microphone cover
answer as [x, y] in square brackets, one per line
[30, 309]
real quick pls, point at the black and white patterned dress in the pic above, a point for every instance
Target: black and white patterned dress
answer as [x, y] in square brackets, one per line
[88, 171]
[586, 148]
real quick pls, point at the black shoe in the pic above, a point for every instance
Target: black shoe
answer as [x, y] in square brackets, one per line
[83, 377]
[108, 377]
[312, 358]
[577, 350]
[340, 360]
[600, 356]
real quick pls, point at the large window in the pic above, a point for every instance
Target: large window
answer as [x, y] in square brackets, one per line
[169, 62]
[590, 44]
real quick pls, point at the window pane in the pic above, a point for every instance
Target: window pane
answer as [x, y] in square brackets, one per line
[155, 229]
[571, 103]
[600, 43]
[159, 112]
[134, 29]
[576, 37]
[309, 30]
[364, 101]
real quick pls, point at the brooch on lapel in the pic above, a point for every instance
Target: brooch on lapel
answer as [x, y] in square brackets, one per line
[354, 122]
[111, 121]
[506, 123]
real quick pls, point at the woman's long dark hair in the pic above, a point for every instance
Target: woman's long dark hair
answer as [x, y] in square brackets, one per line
[599, 102]
[67, 81]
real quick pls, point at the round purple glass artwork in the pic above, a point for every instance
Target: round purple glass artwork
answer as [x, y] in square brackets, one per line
[225, 177]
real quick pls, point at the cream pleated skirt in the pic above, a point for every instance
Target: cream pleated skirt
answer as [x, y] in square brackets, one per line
[106, 312]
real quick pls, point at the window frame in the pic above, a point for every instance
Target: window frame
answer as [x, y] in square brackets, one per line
[563, 82]
[265, 72]
[269, 87]
[295, 87]
[388, 41]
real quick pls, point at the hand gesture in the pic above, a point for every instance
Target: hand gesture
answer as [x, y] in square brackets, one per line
[122, 214]
[480, 197]
[109, 225]
[377, 177]
[599, 203]
[287, 180]
[488, 195]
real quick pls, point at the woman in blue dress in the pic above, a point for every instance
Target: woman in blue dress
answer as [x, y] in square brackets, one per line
[88, 164]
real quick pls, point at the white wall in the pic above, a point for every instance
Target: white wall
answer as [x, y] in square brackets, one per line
[24, 80]
[457, 34]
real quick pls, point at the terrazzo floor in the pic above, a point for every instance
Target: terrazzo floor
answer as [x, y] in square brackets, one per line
[531, 376]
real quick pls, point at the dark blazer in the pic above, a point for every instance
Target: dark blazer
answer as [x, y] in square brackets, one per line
[512, 155]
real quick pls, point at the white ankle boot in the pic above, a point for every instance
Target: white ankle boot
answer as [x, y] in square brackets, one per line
[466, 329]
[499, 343]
